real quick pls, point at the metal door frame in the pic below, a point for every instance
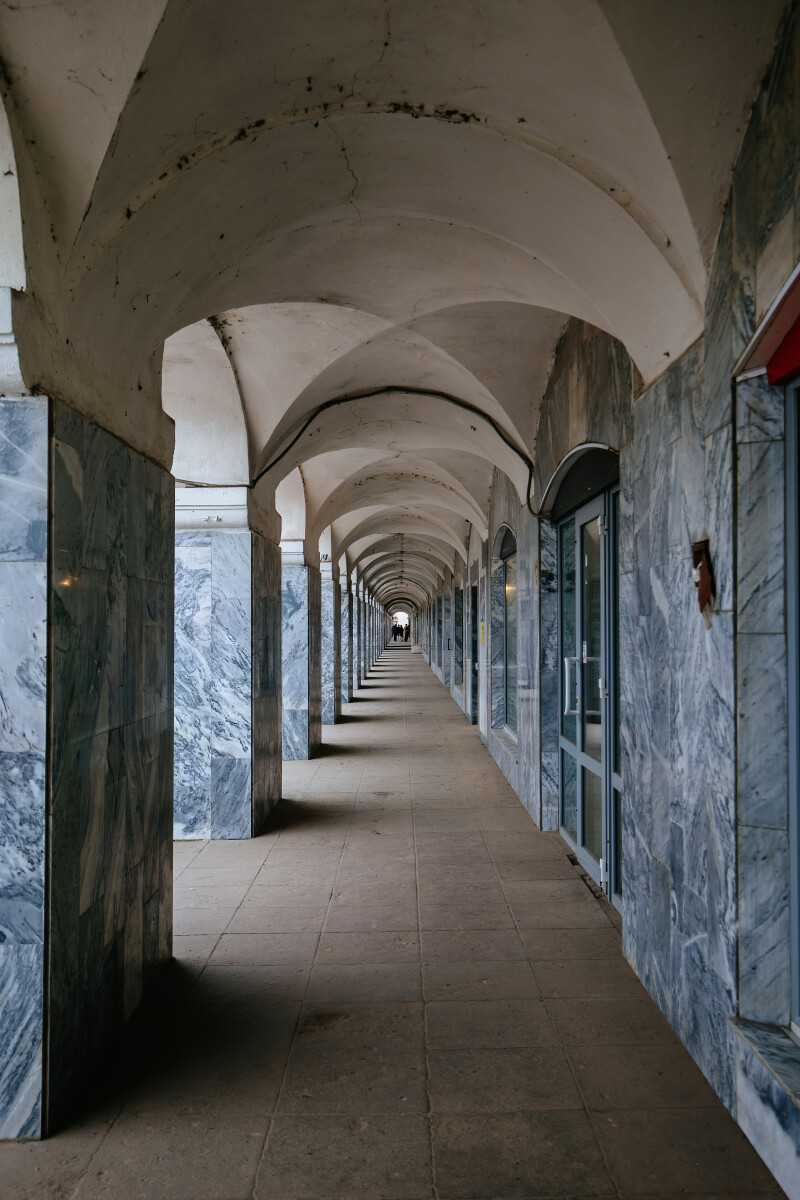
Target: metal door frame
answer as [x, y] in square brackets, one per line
[602, 508]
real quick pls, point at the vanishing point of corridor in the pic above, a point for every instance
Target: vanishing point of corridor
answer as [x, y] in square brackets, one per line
[403, 991]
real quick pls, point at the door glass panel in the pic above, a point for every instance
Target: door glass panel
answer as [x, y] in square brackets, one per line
[568, 631]
[569, 794]
[615, 625]
[593, 813]
[591, 639]
[511, 642]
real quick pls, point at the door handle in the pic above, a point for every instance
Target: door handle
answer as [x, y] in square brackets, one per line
[570, 712]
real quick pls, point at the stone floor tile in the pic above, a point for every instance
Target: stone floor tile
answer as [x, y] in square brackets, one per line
[354, 1079]
[253, 919]
[621, 1021]
[250, 985]
[265, 949]
[341, 1158]
[524, 1155]
[547, 891]
[587, 977]
[210, 896]
[602, 942]
[49, 1170]
[380, 983]
[187, 947]
[471, 945]
[478, 981]
[501, 1080]
[208, 921]
[288, 895]
[464, 916]
[571, 914]
[488, 1024]
[368, 947]
[179, 1158]
[668, 1153]
[352, 918]
[655, 1076]
[534, 868]
[391, 1026]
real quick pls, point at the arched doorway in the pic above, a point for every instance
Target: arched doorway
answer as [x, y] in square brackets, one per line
[585, 508]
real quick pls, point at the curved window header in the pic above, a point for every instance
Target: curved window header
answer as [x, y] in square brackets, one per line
[505, 543]
[592, 473]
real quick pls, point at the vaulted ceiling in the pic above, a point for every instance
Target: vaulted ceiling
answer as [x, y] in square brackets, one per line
[352, 231]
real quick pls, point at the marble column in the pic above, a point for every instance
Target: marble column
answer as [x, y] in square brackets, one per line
[221, 632]
[346, 647]
[23, 748]
[331, 647]
[86, 737]
[301, 657]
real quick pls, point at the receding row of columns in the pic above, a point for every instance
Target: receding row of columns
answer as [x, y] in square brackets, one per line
[255, 681]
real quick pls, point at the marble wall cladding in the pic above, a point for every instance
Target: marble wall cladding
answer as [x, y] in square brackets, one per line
[111, 740]
[213, 684]
[768, 1099]
[346, 648]
[301, 637]
[266, 680]
[23, 724]
[193, 685]
[331, 652]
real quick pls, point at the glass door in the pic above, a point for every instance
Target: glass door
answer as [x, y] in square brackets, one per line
[590, 783]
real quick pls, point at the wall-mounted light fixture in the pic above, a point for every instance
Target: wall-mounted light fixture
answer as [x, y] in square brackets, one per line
[703, 576]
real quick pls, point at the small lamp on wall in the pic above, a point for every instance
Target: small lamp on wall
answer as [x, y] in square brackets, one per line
[703, 576]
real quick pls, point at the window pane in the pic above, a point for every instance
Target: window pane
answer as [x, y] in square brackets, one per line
[458, 632]
[591, 636]
[615, 618]
[511, 642]
[569, 794]
[566, 570]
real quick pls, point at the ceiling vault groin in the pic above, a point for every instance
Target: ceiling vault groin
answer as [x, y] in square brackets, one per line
[331, 265]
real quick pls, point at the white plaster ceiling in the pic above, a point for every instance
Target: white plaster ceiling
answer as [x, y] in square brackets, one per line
[251, 210]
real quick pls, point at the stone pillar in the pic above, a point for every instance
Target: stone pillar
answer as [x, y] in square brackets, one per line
[226, 633]
[331, 646]
[86, 738]
[301, 655]
[347, 643]
[362, 639]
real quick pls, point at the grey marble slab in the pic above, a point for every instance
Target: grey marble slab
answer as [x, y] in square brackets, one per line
[768, 1099]
[761, 537]
[23, 479]
[266, 680]
[765, 925]
[762, 730]
[21, 1032]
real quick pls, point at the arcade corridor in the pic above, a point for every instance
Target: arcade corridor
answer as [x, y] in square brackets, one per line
[404, 990]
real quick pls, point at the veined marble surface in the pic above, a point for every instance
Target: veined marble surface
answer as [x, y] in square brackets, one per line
[768, 1099]
[346, 650]
[111, 749]
[23, 724]
[213, 684]
[331, 654]
[301, 634]
[266, 680]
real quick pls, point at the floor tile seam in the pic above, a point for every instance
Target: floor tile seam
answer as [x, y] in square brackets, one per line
[584, 1102]
[303, 1002]
[425, 1044]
